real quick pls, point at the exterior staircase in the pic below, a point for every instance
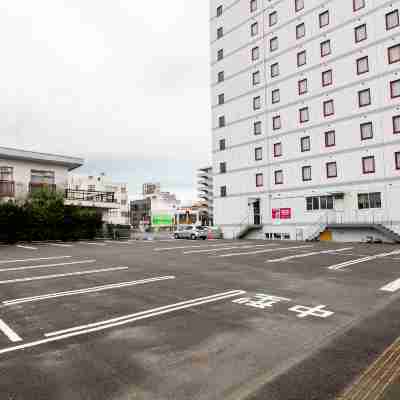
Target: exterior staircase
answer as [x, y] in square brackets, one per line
[249, 224]
[245, 230]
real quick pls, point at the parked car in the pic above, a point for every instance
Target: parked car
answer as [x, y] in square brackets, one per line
[215, 232]
[192, 232]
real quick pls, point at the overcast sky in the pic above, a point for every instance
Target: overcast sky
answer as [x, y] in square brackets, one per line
[121, 83]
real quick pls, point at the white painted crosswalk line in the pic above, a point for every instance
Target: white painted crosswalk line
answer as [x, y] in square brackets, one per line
[32, 259]
[314, 253]
[60, 245]
[46, 265]
[262, 251]
[92, 289]
[392, 286]
[215, 250]
[20, 246]
[9, 332]
[343, 265]
[42, 277]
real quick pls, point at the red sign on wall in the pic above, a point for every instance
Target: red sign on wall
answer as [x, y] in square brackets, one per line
[275, 213]
[281, 213]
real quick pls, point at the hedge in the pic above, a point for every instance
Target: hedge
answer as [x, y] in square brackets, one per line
[44, 216]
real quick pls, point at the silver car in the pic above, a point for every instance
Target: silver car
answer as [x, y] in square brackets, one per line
[192, 232]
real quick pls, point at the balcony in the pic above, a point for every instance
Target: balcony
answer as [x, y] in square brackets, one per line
[7, 188]
[91, 196]
[38, 186]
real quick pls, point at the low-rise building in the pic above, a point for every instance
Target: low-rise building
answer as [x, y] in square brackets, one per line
[22, 172]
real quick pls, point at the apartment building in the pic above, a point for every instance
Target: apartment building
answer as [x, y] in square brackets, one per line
[306, 116]
[205, 192]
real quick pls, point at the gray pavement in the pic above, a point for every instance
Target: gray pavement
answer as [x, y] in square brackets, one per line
[193, 319]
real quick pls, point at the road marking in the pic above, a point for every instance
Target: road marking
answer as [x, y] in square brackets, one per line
[93, 243]
[36, 278]
[86, 290]
[362, 260]
[33, 259]
[116, 242]
[314, 253]
[262, 251]
[46, 265]
[227, 248]
[149, 313]
[138, 316]
[188, 247]
[60, 245]
[9, 332]
[392, 286]
[26, 247]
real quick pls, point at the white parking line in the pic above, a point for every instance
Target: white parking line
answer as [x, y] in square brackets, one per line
[93, 243]
[86, 290]
[392, 286]
[20, 246]
[33, 259]
[46, 265]
[314, 253]
[362, 260]
[227, 248]
[60, 245]
[188, 247]
[37, 278]
[262, 251]
[138, 316]
[9, 332]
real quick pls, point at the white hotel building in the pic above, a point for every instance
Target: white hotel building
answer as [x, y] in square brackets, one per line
[306, 117]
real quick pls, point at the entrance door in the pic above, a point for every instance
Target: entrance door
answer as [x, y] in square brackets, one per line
[257, 212]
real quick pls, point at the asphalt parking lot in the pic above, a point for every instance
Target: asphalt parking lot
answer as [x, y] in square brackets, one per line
[193, 319]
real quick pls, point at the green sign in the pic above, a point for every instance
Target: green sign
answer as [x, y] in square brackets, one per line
[162, 220]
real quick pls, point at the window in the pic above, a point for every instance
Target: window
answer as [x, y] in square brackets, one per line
[278, 149]
[219, 11]
[253, 5]
[42, 177]
[222, 167]
[305, 143]
[325, 48]
[327, 77]
[366, 130]
[324, 19]
[257, 128]
[330, 139]
[256, 103]
[6, 174]
[222, 144]
[368, 165]
[302, 86]
[259, 180]
[301, 58]
[255, 53]
[360, 33]
[395, 89]
[91, 188]
[362, 65]
[278, 177]
[273, 18]
[220, 54]
[256, 78]
[306, 173]
[298, 5]
[358, 4]
[319, 203]
[331, 169]
[276, 122]
[369, 200]
[273, 43]
[274, 70]
[329, 108]
[223, 191]
[221, 76]
[364, 98]
[220, 32]
[304, 115]
[396, 124]
[394, 54]
[300, 31]
[397, 159]
[392, 19]
[221, 121]
[276, 96]
[258, 153]
[221, 99]
[254, 29]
